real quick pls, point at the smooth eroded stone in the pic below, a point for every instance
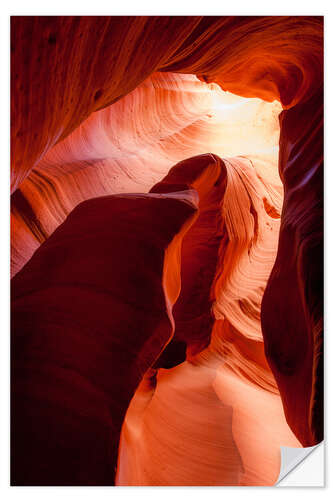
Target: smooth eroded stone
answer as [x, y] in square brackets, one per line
[91, 311]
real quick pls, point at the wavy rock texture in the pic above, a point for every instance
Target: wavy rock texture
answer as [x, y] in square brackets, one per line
[297, 360]
[131, 145]
[267, 57]
[82, 337]
[220, 395]
[234, 369]
[192, 311]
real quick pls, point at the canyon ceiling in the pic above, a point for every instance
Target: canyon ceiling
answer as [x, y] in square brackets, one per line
[166, 248]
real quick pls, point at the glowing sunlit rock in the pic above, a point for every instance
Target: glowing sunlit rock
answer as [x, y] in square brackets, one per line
[131, 145]
[228, 259]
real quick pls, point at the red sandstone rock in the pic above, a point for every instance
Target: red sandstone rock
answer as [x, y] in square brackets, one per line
[131, 145]
[267, 57]
[221, 407]
[293, 322]
[126, 147]
[193, 310]
[91, 311]
[65, 68]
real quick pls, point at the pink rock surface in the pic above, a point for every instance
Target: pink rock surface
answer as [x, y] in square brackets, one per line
[236, 282]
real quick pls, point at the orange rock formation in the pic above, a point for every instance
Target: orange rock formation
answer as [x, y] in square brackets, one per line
[166, 247]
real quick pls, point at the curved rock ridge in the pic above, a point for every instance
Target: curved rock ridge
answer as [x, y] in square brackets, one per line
[214, 430]
[131, 145]
[245, 264]
[271, 57]
[74, 50]
[219, 396]
[297, 359]
[82, 336]
[227, 357]
[192, 311]
[104, 156]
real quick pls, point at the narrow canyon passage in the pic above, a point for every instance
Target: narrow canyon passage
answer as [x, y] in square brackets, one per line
[224, 396]
[166, 237]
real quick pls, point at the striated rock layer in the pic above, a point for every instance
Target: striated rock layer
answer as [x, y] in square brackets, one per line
[276, 57]
[131, 145]
[221, 410]
[106, 105]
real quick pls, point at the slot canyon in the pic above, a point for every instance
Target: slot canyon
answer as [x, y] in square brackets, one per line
[166, 248]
